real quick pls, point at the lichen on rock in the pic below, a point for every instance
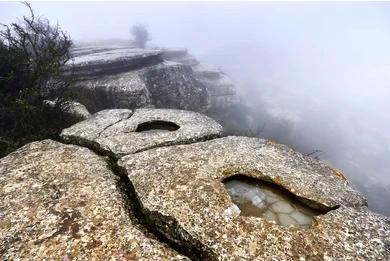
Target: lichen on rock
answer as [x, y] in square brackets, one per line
[181, 191]
[121, 137]
[62, 202]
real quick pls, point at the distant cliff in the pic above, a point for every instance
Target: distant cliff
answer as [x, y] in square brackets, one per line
[119, 76]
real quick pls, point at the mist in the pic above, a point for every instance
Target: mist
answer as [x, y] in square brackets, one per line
[320, 69]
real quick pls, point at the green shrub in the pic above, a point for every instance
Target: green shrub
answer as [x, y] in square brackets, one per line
[33, 54]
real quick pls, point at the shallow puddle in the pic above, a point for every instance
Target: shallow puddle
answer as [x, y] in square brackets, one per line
[262, 199]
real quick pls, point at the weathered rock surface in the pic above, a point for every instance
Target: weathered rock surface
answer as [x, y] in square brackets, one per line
[74, 109]
[86, 132]
[111, 61]
[123, 77]
[62, 202]
[123, 90]
[220, 87]
[182, 195]
[115, 132]
[174, 86]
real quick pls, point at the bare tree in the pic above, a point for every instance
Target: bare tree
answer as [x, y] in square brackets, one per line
[140, 35]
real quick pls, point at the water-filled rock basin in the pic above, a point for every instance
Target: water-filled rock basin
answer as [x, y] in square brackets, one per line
[269, 201]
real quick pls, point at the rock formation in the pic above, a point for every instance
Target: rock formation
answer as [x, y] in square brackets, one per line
[159, 184]
[63, 202]
[220, 87]
[125, 77]
[206, 219]
[120, 132]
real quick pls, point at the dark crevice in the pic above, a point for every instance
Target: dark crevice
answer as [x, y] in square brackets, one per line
[151, 222]
[108, 126]
[184, 142]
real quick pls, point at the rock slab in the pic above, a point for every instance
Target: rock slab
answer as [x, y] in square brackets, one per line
[181, 191]
[114, 132]
[62, 202]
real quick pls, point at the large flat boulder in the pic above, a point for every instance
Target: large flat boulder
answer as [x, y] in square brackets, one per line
[187, 194]
[110, 61]
[62, 202]
[118, 132]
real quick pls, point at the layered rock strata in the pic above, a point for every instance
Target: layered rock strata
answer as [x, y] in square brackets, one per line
[220, 87]
[125, 77]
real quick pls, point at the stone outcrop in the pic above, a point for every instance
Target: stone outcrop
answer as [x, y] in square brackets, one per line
[121, 76]
[170, 189]
[182, 195]
[123, 90]
[62, 202]
[124, 77]
[99, 62]
[73, 109]
[173, 86]
[119, 132]
[220, 87]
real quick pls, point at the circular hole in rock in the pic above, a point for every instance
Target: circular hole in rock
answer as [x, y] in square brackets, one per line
[269, 201]
[157, 126]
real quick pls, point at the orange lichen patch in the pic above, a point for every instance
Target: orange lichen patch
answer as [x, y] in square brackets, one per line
[340, 175]
[277, 180]
[271, 142]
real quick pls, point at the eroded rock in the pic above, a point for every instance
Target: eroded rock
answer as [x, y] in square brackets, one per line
[62, 202]
[123, 90]
[174, 86]
[73, 109]
[122, 135]
[220, 88]
[181, 191]
[110, 61]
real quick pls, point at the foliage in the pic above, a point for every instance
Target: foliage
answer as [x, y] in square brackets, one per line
[140, 34]
[32, 58]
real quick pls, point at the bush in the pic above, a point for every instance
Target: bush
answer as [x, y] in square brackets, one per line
[32, 58]
[140, 34]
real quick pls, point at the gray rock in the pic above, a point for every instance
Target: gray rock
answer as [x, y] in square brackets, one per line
[125, 135]
[219, 86]
[206, 71]
[62, 202]
[124, 90]
[84, 133]
[182, 195]
[174, 86]
[112, 61]
[223, 85]
[74, 109]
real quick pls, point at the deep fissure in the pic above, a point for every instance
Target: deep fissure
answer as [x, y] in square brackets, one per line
[146, 223]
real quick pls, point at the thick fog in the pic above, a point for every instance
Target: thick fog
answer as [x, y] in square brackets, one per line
[321, 71]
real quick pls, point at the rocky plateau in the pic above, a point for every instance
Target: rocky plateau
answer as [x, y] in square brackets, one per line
[145, 175]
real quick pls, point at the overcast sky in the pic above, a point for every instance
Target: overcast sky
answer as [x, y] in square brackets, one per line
[324, 66]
